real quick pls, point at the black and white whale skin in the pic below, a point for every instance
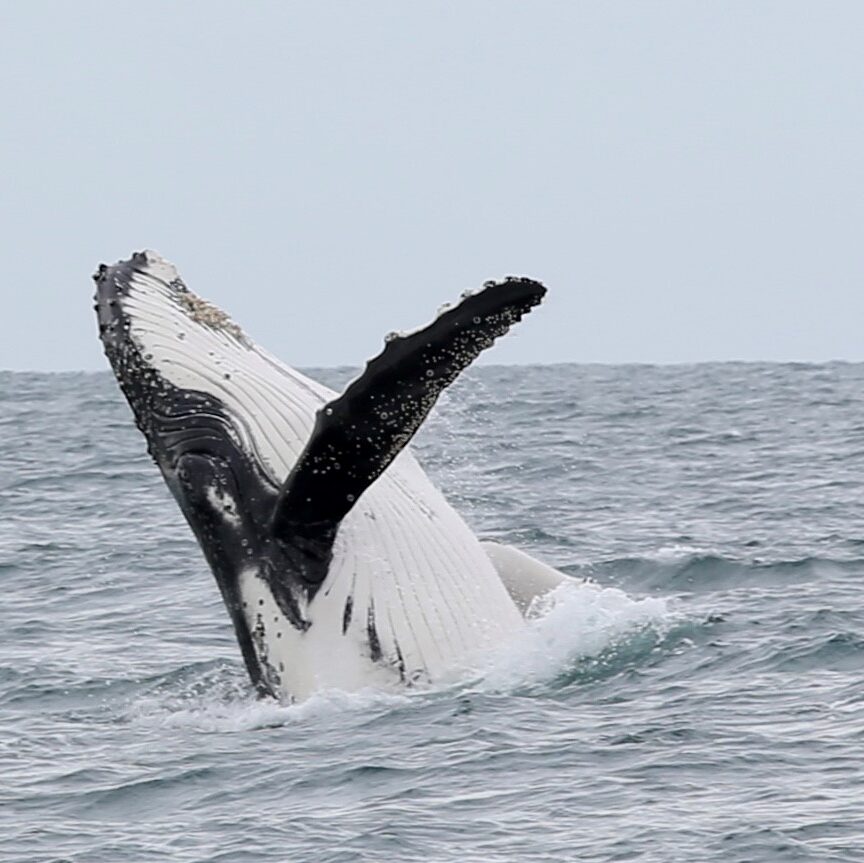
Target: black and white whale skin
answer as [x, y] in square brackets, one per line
[340, 564]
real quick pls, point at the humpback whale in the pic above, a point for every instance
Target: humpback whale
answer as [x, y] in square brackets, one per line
[339, 562]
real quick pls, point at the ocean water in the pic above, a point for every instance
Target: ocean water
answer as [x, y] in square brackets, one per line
[696, 694]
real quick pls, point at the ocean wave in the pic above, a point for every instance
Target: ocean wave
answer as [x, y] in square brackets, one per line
[682, 569]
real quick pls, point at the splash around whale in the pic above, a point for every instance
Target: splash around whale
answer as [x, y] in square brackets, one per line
[339, 563]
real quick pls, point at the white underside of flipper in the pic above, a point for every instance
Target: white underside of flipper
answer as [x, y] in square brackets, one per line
[524, 577]
[402, 550]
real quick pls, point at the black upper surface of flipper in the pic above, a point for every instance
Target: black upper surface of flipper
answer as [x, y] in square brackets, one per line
[358, 435]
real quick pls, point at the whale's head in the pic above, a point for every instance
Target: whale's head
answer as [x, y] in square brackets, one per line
[171, 353]
[182, 364]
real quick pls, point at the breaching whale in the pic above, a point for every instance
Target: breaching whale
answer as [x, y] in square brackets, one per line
[339, 562]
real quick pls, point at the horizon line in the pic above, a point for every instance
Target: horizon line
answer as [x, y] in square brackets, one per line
[488, 365]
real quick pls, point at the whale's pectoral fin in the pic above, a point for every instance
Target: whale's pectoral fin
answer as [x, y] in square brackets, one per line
[357, 435]
[525, 578]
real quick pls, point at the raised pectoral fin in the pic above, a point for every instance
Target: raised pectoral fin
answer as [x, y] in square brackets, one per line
[357, 435]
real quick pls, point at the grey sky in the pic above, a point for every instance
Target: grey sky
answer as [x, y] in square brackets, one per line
[685, 176]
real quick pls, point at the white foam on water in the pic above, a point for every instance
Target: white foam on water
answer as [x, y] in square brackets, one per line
[676, 552]
[576, 621]
[212, 713]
